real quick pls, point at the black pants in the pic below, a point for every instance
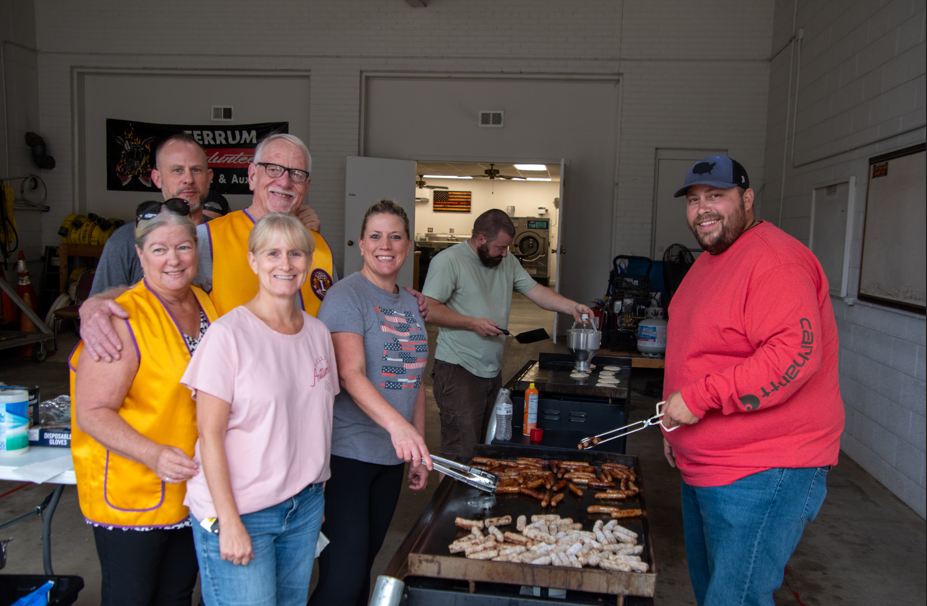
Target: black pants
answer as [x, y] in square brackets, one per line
[150, 568]
[360, 499]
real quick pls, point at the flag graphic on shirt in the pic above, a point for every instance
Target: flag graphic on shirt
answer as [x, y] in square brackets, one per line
[404, 356]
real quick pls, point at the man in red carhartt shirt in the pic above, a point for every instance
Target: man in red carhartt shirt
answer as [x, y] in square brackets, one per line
[751, 372]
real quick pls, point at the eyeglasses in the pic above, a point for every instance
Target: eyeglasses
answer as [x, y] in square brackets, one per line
[152, 208]
[275, 171]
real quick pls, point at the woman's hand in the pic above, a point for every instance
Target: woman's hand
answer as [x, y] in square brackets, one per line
[410, 445]
[171, 464]
[235, 543]
[418, 477]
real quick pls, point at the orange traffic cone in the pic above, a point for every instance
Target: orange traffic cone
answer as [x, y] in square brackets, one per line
[27, 293]
[10, 313]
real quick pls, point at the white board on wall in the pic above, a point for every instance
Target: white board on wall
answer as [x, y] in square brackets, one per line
[173, 98]
[832, 211]
[894, 244]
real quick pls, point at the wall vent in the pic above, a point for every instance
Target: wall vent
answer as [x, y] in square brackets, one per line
[492, 118]
[222, 113]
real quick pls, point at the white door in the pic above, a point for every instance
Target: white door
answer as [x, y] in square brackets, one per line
[669, 213]
[556, 244]
[367, 181]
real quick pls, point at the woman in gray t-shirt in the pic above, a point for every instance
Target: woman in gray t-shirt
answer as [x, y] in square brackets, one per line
[381, 348]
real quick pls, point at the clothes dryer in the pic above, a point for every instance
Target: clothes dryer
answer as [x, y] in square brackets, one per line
[532, 245]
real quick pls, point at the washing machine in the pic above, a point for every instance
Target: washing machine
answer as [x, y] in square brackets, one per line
[532, 245]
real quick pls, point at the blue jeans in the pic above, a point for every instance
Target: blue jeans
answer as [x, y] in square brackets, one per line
[740, 537]
[283, 539]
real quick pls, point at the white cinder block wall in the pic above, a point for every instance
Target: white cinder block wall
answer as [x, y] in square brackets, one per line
[20, 114]
[679, 86]
[861, 93]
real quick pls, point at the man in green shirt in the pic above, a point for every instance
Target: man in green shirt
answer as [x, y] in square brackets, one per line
[469, 292]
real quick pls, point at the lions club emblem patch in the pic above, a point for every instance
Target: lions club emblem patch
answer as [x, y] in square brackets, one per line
[321, 282]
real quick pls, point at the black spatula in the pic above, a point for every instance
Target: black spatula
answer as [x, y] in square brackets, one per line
[532, 336]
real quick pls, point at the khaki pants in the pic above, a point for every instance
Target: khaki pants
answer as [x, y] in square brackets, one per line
[465, 402]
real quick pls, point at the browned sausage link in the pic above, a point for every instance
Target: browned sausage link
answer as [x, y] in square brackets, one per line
[626, 513]
[468, 524]
[575, 464]
[507, 482]
[557, 498]
[508, 489]
[581, 474]
[561, 471]
[602, 509]
[533, 460]
[484, 461]
[537, 494]
[498, 469]
[554, 465]
[546, 500]
[534, 483]
[579, 480]
[624, 483]
[483, 467]
[610, 495]
[560, 485]
[576, 490]
[600, 484]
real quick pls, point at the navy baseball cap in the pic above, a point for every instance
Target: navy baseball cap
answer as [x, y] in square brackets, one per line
[716, 171]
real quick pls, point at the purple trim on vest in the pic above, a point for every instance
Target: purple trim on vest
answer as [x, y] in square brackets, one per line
[247, 214]
[177, 324]
[117, 526]
[212, 255]
[138, 350]
[71, 356]
[106, 495]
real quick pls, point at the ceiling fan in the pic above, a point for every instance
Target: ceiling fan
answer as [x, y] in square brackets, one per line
[492, 173]
[421, 184]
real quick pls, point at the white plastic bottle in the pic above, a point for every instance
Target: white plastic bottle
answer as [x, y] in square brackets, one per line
[504, 415]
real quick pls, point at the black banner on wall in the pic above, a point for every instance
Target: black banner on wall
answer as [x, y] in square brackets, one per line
[130, 147]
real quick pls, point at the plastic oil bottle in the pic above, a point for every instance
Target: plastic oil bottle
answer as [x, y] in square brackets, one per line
[531, 410]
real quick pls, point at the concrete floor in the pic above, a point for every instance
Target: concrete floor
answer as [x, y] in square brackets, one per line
[866, 546]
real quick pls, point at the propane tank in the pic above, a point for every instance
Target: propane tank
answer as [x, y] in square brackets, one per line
[651, 332]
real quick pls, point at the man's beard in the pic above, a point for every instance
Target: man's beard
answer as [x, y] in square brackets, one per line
[485, 259]
[194, 205]
[731, 229]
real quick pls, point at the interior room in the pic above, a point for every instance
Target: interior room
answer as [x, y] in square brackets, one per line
[580, 121]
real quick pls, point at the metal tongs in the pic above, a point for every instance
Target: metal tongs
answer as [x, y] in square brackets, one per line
[477, 478]
[657, 419]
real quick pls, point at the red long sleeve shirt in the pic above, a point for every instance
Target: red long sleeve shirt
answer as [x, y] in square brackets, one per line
[752, 346]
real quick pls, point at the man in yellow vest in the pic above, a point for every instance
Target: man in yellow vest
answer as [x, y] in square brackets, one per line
[279, 178]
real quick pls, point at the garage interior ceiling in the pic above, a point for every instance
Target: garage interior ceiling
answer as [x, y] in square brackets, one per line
[471, 169]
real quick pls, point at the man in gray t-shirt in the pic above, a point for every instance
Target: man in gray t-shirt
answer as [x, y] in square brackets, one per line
[469, 290]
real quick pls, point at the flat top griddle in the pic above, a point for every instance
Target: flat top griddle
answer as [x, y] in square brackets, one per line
[424, 552]
[551, 374]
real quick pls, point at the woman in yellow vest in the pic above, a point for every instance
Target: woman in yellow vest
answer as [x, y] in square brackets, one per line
[135, 425]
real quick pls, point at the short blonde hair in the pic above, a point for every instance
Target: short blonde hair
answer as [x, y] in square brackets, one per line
[274, 225]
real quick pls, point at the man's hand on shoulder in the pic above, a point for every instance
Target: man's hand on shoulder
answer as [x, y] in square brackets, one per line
[309, 218]
[422, 301]
[96, 327]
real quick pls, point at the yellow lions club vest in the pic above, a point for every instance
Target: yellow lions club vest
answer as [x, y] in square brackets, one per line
[114, 491]
[234, 283]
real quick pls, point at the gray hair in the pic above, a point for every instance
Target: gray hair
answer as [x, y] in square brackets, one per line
[293, 139]
[283, 225]
[164, 218]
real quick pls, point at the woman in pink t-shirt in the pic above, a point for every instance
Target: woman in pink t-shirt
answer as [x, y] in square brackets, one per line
[264, 378]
